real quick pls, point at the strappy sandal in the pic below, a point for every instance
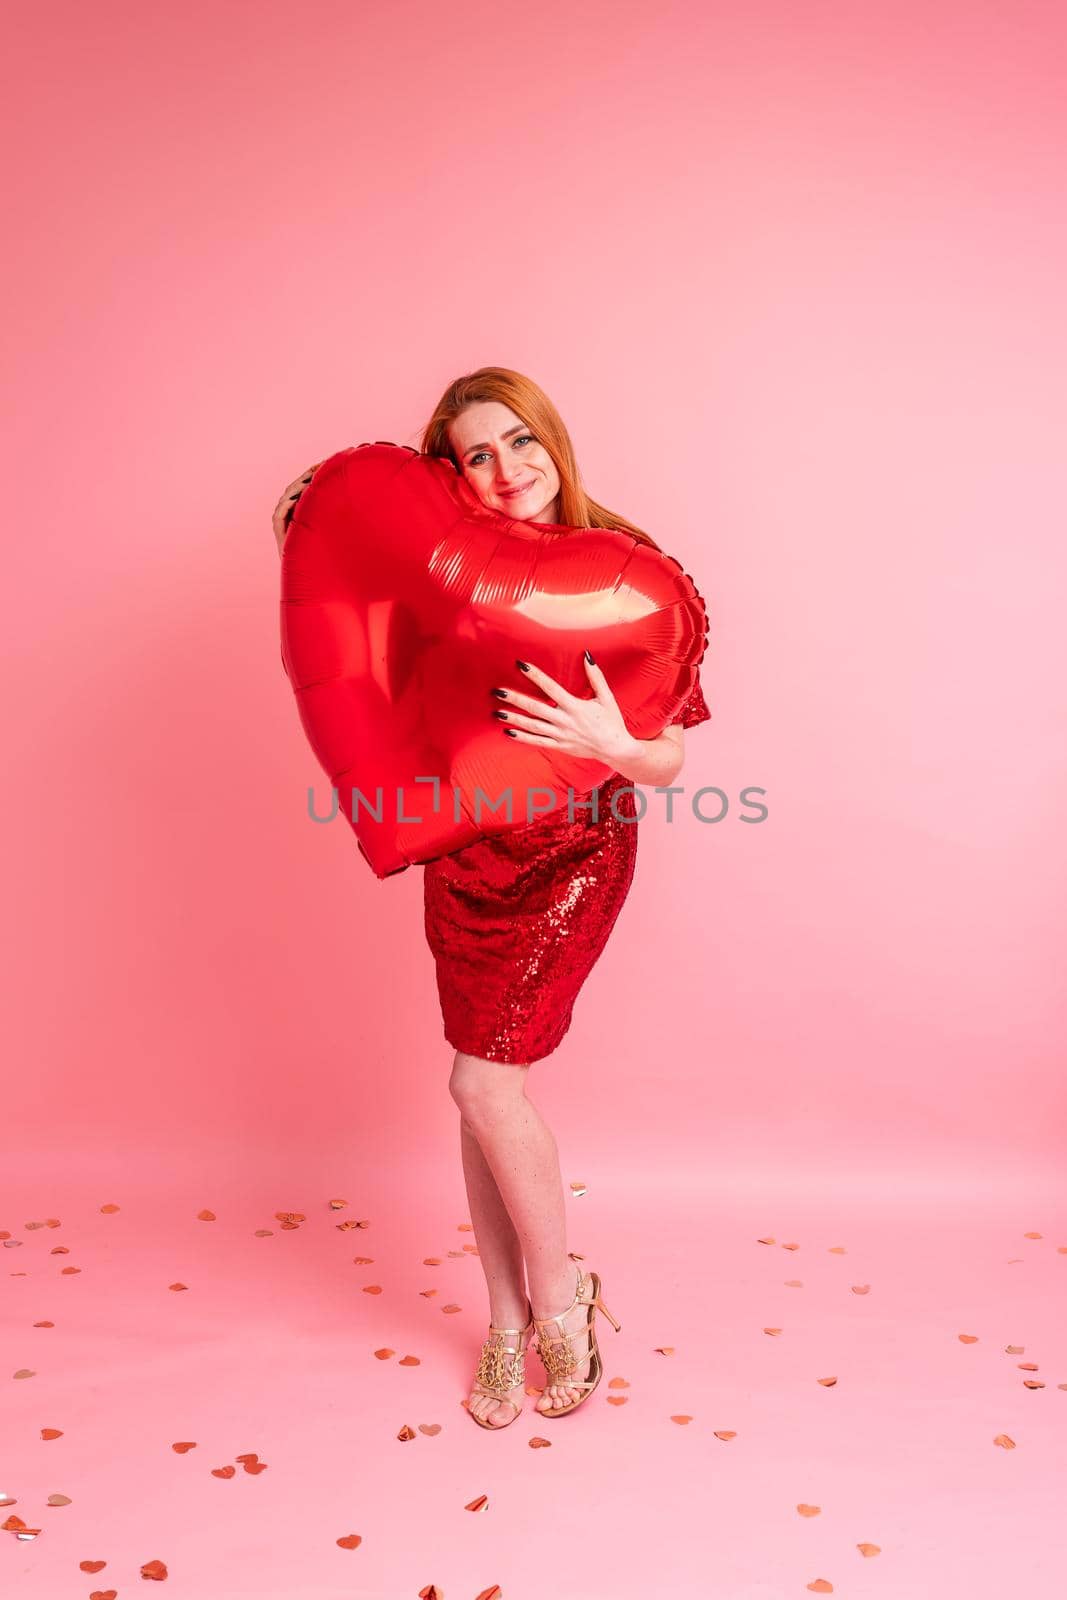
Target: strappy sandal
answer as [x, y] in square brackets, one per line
[501, 1368]
[559, 1359]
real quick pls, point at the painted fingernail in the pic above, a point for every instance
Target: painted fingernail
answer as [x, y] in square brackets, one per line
[510, 732]
[501, 714]
[501, 694]
[589, 658]
[524, 666]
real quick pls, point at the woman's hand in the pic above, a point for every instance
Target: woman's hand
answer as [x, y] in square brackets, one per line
[593, 729]
[283, 511]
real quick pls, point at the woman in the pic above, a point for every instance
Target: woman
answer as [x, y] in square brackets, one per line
[516, 922]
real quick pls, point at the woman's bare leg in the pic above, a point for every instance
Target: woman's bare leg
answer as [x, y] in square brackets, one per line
[515, 1192]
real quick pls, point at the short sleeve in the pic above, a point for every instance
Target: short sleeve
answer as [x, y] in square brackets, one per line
[694, 710]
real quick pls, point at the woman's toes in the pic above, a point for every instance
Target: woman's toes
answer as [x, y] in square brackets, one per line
[556, 1395]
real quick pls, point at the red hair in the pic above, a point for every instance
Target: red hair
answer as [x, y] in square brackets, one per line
[532, 405]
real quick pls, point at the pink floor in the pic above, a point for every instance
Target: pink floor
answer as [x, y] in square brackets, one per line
[943, 1329]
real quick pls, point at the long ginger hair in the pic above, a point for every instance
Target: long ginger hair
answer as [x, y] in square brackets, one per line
[535, 409]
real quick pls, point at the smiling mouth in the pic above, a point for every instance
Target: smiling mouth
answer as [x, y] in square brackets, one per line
[509, 494]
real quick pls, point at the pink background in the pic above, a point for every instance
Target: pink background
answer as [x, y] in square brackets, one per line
[794, 276]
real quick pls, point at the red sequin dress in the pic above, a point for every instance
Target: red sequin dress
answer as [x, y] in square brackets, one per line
[516, 922]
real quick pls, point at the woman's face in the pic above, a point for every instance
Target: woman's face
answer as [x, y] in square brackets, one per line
[508, 468]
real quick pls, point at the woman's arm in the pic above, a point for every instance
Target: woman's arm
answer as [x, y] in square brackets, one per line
[654, 761]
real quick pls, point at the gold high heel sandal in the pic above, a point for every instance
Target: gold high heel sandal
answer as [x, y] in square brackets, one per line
[559, 1359]
[501, 1368]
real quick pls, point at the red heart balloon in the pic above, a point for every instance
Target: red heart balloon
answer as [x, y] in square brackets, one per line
[405, 600]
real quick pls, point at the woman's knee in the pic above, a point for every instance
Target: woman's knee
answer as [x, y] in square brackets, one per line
[483, 1090]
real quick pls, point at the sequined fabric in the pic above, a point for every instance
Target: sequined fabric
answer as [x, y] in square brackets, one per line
[695, 709]
[516, 922]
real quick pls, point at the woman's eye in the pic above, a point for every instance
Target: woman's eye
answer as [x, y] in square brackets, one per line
[522, 438]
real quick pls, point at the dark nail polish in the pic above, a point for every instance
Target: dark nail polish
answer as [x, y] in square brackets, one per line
[589, 658]
[510, 732]
[501, 714]
[501, 694]
[523, 666]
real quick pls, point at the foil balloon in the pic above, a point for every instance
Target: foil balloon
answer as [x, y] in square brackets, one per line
[405, 600]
